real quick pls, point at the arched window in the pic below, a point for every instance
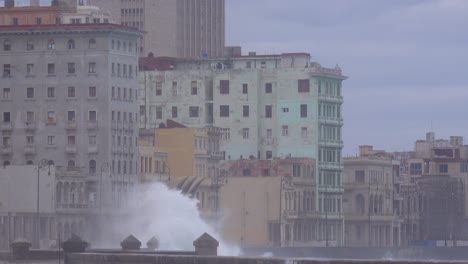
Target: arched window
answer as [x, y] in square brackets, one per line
[59, 192]
[29, 162]
[71, 44]
[30, 45]
[92, 44]
[92, 167]
[7, 45]
[71, 165]
[6, 163]
[51, 44]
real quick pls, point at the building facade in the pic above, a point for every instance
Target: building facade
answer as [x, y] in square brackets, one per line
[266, 106]
[370, 217]
[68, 95]
[272, 203]
[176, 28]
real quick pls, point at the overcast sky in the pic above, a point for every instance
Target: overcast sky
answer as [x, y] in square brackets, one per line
[407, 60]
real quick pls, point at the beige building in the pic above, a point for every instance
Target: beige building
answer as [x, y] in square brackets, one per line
[369, 201]
[272, 203]
[176, 28]
[153, 160]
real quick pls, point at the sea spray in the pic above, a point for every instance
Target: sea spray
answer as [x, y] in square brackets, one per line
[155, 210]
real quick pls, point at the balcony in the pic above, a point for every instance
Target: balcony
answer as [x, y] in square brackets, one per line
[6, 126]
[331, 120]
[71, 125]
[6, 150]
[330, 98]
[30, 126]
[70, 149]
[93, 125]
[330, 165]
[93, 149]
[294, 214]
[331, 188]
[216, 154]
[30, 150]
[331, 143]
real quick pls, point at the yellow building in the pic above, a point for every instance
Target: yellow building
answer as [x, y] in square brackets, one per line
[153, 160]
[191, 151]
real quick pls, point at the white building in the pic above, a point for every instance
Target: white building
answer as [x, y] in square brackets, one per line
[269, 106]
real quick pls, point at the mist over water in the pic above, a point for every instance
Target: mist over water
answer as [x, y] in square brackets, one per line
[170, 216]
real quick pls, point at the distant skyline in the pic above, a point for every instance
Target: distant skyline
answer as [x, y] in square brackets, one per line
[406, 60]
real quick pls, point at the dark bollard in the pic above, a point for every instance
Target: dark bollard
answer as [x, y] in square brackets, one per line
[74, 245]
[153, 243]
[206, 245]
[20, 248]
[130, 243]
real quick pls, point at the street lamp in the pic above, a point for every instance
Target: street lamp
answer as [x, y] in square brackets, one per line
[41, 166]
[285, 183]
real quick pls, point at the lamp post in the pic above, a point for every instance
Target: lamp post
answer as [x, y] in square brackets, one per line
[41, 166]
[285, 182]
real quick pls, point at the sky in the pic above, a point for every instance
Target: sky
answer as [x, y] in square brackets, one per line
[407, 60]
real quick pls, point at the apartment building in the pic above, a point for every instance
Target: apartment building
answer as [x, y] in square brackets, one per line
[175, 28]
[371, 203]
[68, 95]
[267, 106]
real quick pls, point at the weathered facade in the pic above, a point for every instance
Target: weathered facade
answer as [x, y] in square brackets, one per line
[176, 28]
[68, 95]
[266, 106]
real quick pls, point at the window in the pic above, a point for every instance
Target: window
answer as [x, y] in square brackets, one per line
[263, 64]
[30, 45]
[6, 70]
[193, 111]
[174, 88]
[92, 44]
[359, 176]
[443, 168]
[6, 117]
[245, 88]
[285, 131]
[15, 21]
[50, 92]
[303, 86]
[159, 113]
[30, 140]
[285, 109]
[29, 69]
[50, 140]
[29, 117]
[174, 112]
[38, 20]
[6, 93]
[158, 88]
[245, 111]
[142, 110]
[71, 165]
[92, 116]
[92, 91]
[71, 140]
[269, 155]
[51, 117]
[92, 67]
[7, 45]
[6, 141]
[464, 167]
[71, 44]
[248, 64]
[415, 169]
[92, 167]
[269, 133]
[50, 68]
[71, 116]
[30, 93]
[92, 140]
[224, 110]
[71, 92]
[245, 133]
[224, 87]
[304, 133]
[194, 88]
[246, 172]
[268, 88]
[71, 68]
[51, 44]
[303, 110]
[268, 111]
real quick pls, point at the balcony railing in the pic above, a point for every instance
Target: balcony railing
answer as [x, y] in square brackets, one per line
[6, 150]
[71, 125]
[6, 126]
[92, 125]
[30, 150]
[70, 149]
